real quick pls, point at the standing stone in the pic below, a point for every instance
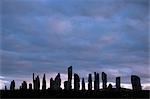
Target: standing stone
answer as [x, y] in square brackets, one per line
[12, 85]
[20, 87]
[118, 83]
[109, 86]
[97, 77]
[104, 80]
[30, 86]
[76, 82]
[37, 83]
[96, 81]
[44, 83]
[34, 82]
[57, 82]
[52, 84]
[90, 82]
[66, 85]
[24, 85]
[136, 83]
[83, 84]
[5, 87]
[70, 76]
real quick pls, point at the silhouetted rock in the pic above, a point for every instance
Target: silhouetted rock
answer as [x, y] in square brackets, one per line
[76, 82]
[44, 83]
[70, 77]
[83, 84]
[52, 84]
[109, 86]
[104, 80]
[96, 81]
[20, 87]
[66, 85]
[12, 85]
[34, 82]
[30, 86]
[5, 87]
[57, 82]
[136, 83]
[118, 83]
[90, 82]
[24, 85]
[37, 83]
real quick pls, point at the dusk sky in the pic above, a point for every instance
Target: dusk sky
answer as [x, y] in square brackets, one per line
[48, 36]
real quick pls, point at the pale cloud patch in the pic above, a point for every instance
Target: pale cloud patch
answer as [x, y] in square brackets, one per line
[3, 83]
[60, 25]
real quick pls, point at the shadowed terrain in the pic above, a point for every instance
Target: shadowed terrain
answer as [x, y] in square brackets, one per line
[123, 93]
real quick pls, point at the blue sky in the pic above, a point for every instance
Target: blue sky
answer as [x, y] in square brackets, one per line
[47, 36]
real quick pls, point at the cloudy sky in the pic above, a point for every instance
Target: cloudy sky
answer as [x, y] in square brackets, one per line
[47, 36]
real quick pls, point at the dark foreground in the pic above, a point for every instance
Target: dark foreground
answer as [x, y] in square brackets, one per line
[75, 94]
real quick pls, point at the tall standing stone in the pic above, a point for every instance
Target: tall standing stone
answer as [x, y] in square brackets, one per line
[97, 75]
[96, 81]
[70, 76]
[76, 82]
[90, 82]
[52, 84]
[37, 83]
[5, 87]
[44, 83]
[57, 82]
[104, 80]
[12, 85]
[118, 82]
[136, 83]
[83, 84]
[20, 87]
[34, 85]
